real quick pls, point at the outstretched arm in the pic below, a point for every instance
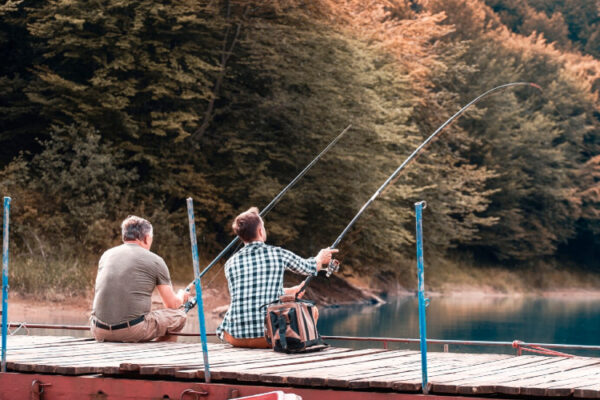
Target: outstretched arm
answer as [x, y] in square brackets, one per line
[304, 266]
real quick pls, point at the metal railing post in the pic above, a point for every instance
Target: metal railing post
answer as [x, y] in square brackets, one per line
[5, 233]
[423, 302]
[198, 284]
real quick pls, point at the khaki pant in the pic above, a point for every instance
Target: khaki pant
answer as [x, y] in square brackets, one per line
[156, 324]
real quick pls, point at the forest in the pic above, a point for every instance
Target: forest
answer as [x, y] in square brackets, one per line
[112, 107]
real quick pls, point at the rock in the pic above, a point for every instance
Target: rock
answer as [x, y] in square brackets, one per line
[336, 290]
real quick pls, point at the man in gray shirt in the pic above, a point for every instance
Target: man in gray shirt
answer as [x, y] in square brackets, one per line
[127, 276]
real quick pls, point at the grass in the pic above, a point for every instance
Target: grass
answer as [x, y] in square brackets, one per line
[68, 276]
[51, 278]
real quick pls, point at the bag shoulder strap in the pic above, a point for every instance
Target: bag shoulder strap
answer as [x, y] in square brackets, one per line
[268, 304]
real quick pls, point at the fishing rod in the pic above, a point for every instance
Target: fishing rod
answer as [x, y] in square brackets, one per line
[274, 202]
[334, 264]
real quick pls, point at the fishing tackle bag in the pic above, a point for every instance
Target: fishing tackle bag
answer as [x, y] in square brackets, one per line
[290, 326]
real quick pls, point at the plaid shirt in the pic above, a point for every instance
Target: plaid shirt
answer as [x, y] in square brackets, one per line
[255, 277]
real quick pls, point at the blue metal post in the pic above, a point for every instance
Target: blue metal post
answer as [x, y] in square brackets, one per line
[423, 302]
[198, 284]
[5, 280]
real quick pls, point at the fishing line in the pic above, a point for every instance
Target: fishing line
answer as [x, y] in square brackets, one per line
[276, 200]
[334, 264]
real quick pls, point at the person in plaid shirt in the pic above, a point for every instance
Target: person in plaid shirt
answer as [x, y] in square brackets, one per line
[255, 277]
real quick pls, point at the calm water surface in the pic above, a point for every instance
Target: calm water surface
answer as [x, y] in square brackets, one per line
[536, 320]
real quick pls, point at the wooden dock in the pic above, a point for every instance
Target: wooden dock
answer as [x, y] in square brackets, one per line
[367, 370]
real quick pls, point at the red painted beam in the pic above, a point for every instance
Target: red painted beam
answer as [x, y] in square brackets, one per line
[18, 386]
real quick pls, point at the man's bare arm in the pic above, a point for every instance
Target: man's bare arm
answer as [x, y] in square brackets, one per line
[171, 299]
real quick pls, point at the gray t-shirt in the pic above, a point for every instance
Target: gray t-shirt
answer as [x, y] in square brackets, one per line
[127, 275]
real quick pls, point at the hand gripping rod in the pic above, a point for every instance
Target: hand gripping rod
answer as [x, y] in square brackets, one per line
[273, 202]
[334, 264]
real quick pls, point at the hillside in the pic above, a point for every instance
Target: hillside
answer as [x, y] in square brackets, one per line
[114, 108]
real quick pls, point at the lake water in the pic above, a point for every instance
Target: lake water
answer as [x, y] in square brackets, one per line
[561, 320]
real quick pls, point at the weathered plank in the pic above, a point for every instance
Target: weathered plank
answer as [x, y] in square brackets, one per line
[410, 379]
[367, 369]
[246, 370]
[259, 371]
[463, 379]
[281, 372]
[335, 371]
[528, 382]
[247, 361]
[61, 361]
[94, 357]
[561, 383]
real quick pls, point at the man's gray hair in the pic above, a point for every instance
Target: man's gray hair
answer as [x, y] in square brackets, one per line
[135, 228]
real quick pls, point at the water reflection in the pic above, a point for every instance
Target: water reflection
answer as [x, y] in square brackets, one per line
[48, 313]
[530, 319]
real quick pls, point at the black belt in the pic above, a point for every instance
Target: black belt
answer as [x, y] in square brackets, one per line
[118, 326]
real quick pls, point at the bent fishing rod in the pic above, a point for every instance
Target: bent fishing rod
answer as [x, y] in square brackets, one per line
[274, 202]
[334, 264]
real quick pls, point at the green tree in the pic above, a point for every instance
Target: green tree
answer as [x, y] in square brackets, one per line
[297, 82]
[20, 122]
[535, 144]
[72, 193]
[142, 74]
[129, 68]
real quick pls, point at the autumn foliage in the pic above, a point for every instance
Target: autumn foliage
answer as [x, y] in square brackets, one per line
[112, 108]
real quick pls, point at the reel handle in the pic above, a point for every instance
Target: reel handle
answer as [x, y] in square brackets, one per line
[333, 266]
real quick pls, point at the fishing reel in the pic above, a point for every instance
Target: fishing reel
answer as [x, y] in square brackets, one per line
[333, 266]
